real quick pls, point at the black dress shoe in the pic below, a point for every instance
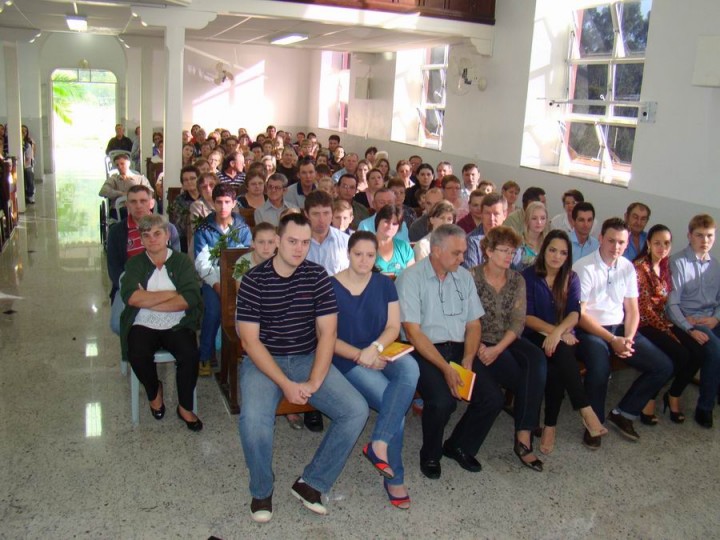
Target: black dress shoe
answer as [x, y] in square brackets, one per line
[195, 425]
[593, 443]
[158, 414]
[704, 418]
[313, 421]
[466, 461]
[430, 468]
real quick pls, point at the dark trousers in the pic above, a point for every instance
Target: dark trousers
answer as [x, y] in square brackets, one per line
[709, 356]
[29, 175]
[439, 404]
[655, 367]
[144, 342]
[522, 369]
[563, 373]
[684, 362]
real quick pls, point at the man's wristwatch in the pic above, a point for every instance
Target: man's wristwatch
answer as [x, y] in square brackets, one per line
[378, 346]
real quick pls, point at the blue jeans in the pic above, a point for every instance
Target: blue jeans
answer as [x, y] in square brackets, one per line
[522, 368]
[655, 367]
[389, 392]
[210, 321]
[710, 370]
[336, 398]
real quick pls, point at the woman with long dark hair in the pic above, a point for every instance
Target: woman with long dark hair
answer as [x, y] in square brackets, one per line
[654, 285]
[28, 165]
[363, 294]
[553, 310]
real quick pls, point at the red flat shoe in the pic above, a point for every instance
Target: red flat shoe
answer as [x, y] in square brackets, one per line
[397, 502]
[380, 466]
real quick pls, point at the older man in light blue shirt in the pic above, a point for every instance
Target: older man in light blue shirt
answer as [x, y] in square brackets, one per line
[694, 307]
[440, 313]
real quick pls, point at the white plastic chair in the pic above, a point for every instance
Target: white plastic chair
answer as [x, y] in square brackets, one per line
[161, 357]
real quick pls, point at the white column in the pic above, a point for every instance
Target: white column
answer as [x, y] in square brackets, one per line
[146, 106]
[173, 119]
[14, 122]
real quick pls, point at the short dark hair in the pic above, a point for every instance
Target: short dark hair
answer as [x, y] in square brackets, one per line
[532, 194]
[388, 212]
[396, 182]
[448, 178]
[615, 223]
[307, 160]
[296, 217]
[255, 145]
[348, 175]
[635, 205]
[582, 207]
[468, 167]
[575, 194]
[189, 168]
[318, 198]
[371, 150]
[334, 138]
[263, 226]
[357, 236]
[139, 188]
[223, 190]
[491, 199]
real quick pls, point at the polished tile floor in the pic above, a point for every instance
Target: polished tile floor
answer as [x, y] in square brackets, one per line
[72, 465]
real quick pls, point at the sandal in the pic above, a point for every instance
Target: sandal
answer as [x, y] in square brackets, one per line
[403, 503]
[521, 451]
[380, 466]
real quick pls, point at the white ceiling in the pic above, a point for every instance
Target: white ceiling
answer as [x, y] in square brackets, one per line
[116, 18]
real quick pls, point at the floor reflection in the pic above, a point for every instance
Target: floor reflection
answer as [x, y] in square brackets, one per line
[80, 173]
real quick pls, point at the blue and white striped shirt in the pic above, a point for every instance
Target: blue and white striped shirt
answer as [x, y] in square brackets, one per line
[286, 307]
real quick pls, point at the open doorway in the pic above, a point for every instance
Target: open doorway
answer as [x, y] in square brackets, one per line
[83, 119]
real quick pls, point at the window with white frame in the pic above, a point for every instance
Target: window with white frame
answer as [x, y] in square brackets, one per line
[419, 100]
[334, 90]
[597, 115]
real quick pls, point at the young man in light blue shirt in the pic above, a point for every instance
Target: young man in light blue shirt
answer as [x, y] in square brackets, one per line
[583, 243]
[694, 307]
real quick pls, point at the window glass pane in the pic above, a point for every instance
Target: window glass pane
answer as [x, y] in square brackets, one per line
[635, 22]
[434, 90]
[434, 120]
[628, 82]
[103, 76]
[583, 141]
[65, 75]
[627, 112]
[620, 143]
[596, 32]
[590, 83]
[437, 55]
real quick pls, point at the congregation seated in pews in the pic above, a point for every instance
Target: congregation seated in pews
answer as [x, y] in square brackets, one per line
[303, 307]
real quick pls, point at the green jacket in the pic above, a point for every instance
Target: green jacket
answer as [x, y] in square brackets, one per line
[182, 273]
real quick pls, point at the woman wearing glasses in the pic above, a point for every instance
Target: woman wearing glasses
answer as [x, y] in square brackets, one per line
[511, 360]
[553, 310]
[393, 255]
[366, 295]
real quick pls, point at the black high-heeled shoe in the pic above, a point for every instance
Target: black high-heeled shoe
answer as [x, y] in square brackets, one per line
[194, 425]
[649, 419]
[675, 417]
[158, 414]
[521, 451]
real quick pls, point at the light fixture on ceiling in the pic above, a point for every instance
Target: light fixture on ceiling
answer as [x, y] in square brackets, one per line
[35, 37]
[289, 39]
[78, 23]
[8, 3]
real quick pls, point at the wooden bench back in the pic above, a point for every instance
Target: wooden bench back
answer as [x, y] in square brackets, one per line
[172, 194]
[248, 214]
[228, 287]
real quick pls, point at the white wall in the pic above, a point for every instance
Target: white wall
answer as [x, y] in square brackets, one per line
[674, 156]
[673, 172]
[270, 86]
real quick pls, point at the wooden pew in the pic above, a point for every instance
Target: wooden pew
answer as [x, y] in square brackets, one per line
[248, 214]
[231, 352]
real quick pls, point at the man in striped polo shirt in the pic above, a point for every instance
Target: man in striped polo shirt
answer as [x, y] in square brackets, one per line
[287, 321]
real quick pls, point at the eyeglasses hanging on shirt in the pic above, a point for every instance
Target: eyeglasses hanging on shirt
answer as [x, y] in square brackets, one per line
[449, 300]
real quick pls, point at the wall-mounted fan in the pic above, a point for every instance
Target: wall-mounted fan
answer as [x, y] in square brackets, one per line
[462, 74]
[222, 74]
